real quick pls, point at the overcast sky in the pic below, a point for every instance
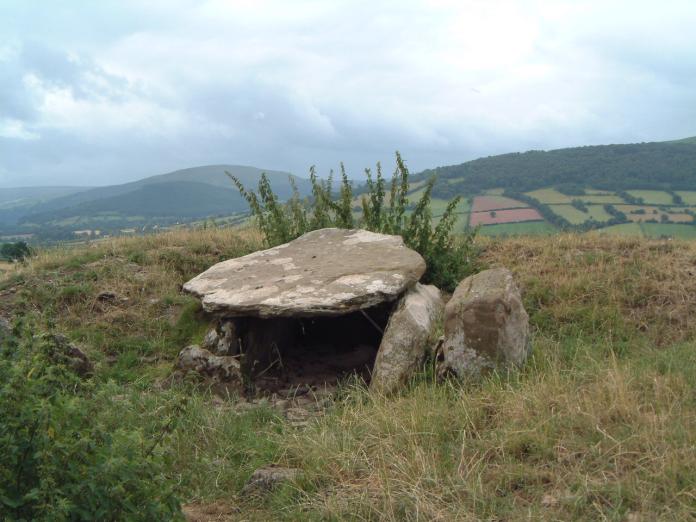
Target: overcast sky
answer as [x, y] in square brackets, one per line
[102, 92]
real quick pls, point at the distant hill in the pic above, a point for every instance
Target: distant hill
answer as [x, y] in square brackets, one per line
[180, 195]
[178, 200]
[657, 165]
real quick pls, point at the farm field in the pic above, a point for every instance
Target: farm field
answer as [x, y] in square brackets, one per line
[549, 196]
[601, 199]
[438, 206]
[650, 230]
[515, 217]
[652, 197]
[504, 216]
[688, 196]
[624, 229]
[577, 217]
[486, 203]
[658, 230]
[528, 228]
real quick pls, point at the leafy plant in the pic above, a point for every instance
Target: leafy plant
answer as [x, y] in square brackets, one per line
[60, 459]
[449, 257]
[15, 251]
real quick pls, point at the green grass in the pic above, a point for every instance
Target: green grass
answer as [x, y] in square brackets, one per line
[624, 229]
[601, 199]
[577, 217]
[531, 228]
[677, 231]
[549, 196]
[438, 206]
[688, 196]
[600, 424]
[652, 197]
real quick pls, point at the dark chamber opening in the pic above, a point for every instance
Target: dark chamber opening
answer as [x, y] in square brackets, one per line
[314, 352]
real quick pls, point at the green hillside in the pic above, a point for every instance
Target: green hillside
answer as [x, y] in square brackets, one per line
[644, 189]
[659, 165]
[177, 200]
[177, 196]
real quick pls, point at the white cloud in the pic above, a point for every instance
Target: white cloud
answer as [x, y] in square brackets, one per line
[156, 86]
[15, 129]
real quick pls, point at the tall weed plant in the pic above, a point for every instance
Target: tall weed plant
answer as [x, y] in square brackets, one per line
[383, 207]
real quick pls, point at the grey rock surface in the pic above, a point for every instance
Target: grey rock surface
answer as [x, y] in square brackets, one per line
[223, 369]
[485, 324]
[410, 328]
[324, 272]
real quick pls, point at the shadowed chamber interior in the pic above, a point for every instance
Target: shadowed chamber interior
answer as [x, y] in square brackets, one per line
[314, 351]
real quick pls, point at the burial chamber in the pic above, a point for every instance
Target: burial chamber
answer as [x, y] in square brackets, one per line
[312, 311]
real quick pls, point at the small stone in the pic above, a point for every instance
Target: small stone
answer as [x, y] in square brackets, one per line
[219, 369]
[266, 479]
[227, 342]
[65, 351]
[107, 296]
[210, 341]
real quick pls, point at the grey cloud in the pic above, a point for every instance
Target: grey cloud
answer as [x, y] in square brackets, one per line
[129, 89]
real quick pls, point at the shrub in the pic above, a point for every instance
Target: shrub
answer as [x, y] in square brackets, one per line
[60, 460]
[449, 257]
[15, 251]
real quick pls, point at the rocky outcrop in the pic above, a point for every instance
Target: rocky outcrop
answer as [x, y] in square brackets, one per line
[406, 338]
[485, 324]
[324, 272]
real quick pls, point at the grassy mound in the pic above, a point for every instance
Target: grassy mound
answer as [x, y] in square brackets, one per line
[600, 424]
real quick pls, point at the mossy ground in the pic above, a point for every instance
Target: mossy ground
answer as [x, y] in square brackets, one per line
[599, 425]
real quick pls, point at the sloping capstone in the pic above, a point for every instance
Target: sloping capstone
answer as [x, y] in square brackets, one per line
[324, 272]
[485, 324]
[406, 337]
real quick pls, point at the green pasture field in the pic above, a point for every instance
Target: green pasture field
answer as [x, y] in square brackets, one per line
[528, 228]
[688, 196]
[652, 197]
[577, 217]
[624, 229]
[674, 230]
[438, 206]
[602, 199]
[549, 196]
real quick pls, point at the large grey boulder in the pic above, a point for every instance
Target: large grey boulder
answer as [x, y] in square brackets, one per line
[406, 337]
[324, 272]
[485, 324]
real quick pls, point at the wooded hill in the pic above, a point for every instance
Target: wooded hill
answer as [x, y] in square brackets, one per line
[658, 166]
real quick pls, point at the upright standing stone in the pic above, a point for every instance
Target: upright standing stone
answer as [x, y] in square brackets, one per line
[406, 337]
[486, 324]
